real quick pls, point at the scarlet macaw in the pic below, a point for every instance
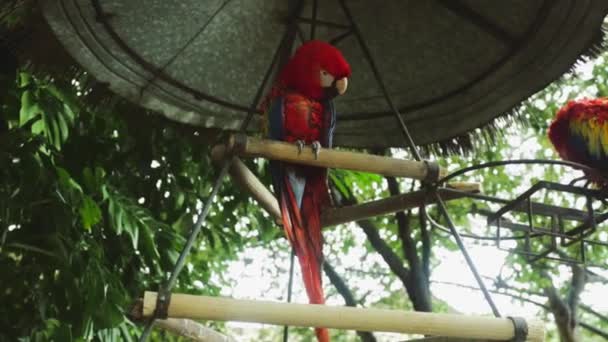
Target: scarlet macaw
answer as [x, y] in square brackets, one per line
[579, 133]
[300, 111]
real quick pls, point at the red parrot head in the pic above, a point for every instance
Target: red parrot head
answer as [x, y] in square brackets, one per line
[317, 70]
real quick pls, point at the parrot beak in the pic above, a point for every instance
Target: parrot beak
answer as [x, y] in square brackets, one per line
[341, 85]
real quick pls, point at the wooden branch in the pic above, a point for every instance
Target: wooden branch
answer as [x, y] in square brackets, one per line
[242, 145]
[393, 204]
[192, 330]
[241, 174]
[311, 315]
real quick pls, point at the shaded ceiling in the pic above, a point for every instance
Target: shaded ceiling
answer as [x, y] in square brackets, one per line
[450, 65]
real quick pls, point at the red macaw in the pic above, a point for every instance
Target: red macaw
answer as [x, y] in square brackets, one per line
[579, 133]
[300, 111]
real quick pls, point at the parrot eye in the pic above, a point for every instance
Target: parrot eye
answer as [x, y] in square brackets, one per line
[326, 79]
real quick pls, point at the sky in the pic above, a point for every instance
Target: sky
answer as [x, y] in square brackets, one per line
[262, 273]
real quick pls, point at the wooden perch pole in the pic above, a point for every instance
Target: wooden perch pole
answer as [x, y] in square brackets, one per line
[393, 204]
[187, 328]
[242, 145]
[310, 315]
[241, 174]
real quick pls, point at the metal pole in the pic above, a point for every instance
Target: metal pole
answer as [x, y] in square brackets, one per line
[289, 291]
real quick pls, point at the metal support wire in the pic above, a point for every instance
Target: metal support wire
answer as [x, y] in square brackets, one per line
[313, 24]
[165, 291]
[417, 156]
[289, 291]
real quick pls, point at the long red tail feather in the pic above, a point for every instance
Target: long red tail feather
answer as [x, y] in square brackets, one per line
[303, 229]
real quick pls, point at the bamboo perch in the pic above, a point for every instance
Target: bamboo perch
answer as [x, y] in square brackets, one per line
[334, 216]
[180, 326]
[245, 146]
[334, 317]
[393, 204]
[248, 181]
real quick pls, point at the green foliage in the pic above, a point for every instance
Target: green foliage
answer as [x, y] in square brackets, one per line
[94, 205]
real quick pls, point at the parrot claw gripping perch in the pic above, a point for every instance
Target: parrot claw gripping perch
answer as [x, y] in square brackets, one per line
[316, 148]
[300, 144]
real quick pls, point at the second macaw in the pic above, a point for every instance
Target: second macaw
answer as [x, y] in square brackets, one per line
[579, 133]
[300, 111]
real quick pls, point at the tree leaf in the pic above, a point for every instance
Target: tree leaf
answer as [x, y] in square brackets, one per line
[90, 214]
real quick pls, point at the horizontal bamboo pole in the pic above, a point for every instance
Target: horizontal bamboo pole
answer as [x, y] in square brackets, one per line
[334, 216]
[393, 204]
[311, 315]
[248, 181]
[245, 146]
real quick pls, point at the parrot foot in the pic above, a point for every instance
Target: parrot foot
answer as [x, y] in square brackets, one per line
[300, 145]
[316, 147]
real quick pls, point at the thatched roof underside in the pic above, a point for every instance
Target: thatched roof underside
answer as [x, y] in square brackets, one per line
[452, 67]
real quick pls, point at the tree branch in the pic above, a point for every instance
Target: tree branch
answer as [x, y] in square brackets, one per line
[371, 231]
[426, 242]
[593, 277]
[594, 330]
[349, 299]
[403, 225]
[590, 310]
[576, 288]
[385, 251]
[512, 295]
[501, 284]
[417, 282]
[564, 316]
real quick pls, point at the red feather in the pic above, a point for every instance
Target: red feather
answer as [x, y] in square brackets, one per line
[302, 71]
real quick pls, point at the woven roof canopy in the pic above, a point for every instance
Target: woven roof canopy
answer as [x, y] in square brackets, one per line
[449, 65]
